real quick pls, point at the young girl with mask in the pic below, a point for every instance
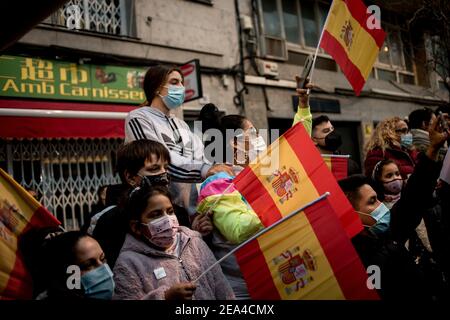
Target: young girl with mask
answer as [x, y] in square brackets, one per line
[54, 258]
[160, 259]
[388, 182]
[165, 92]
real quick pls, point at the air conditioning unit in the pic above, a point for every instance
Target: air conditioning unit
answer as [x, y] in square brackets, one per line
[268, 69]
[274, 48]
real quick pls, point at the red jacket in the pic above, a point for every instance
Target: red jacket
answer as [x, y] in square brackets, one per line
[405, 159]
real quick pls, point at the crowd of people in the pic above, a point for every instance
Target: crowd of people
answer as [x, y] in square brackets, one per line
[175, 212]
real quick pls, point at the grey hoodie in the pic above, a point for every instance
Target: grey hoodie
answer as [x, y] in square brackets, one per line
[136, 279]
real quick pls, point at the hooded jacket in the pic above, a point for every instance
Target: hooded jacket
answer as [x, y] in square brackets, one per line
[136, 279]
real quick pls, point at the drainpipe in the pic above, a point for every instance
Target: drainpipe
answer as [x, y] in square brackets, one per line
[239, 98]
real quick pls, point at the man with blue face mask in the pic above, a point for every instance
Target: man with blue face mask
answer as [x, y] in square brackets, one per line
[378, 245]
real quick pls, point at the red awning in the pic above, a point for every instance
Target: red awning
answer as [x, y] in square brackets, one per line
[49, 119]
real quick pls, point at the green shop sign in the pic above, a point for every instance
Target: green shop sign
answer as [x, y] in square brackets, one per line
[52, 79]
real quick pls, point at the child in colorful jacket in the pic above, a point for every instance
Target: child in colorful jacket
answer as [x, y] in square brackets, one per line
[233, 219]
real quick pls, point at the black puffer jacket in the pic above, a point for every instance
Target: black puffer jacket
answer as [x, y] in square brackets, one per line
[400, 278]
[437, 221]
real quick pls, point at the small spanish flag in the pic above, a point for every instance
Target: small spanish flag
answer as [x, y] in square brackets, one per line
[348, 39]
[338, 165]
[289, 174]
[19, 212]
[306, 256]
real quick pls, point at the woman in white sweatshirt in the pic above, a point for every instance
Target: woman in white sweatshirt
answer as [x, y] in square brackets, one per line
[164, 90]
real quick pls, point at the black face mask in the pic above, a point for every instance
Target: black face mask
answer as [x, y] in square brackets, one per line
[161, 180]
[332, 141]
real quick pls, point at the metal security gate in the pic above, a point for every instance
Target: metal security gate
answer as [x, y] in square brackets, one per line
[65, 173]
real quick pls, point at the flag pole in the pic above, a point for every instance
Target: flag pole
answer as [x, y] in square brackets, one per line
[318, 45]
[326, 194]
[347, 156]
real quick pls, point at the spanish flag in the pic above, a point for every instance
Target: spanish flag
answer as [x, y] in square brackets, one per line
[338, 165]
[305, 256]
[289, 174]
[348, 39]
[19, 212]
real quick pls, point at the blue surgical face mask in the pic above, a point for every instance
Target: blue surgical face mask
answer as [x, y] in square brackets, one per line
[98, 283]
[175, 96]
[382, 216]
[406, 140]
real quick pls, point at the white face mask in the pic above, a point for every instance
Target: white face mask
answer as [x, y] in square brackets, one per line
[256, 145]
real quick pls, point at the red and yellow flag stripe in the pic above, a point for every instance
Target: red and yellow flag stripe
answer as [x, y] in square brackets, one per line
[352, 44]
[19, 212]
[295, 175]
[337, 164]
[307, 257]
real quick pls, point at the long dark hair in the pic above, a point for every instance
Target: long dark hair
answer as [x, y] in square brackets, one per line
[377, 172]
[155, 78]
[48, 259]
[212, 119]
[138, 200]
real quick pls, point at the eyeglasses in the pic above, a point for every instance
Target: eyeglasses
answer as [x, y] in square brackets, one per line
[402, 131]
[251, 132]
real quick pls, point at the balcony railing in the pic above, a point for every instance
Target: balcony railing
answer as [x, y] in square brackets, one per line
[113, 17]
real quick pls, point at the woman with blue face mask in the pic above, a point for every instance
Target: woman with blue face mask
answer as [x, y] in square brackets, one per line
[71, 265]
[165, 92]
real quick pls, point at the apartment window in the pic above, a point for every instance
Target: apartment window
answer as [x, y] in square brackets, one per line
[386, 75]
[309, 22]
[210, 2]
[291, 21]
[395, 60]
[114, 17]
[439, 59]
[297, 22]
[291, 30]
[319, 105]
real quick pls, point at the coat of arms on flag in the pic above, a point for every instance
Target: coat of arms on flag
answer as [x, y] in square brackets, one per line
[296, 268]
[298, 175]
[348, 39]
[284, 183]
[304, 256]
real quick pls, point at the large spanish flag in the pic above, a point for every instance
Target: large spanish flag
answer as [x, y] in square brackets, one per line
[348, 39]
[308, 256]
[338, 165]
[19, 212]
[289, 174]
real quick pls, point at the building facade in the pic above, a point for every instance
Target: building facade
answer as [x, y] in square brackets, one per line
[249, 53]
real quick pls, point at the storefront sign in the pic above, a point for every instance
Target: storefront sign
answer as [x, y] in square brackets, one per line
[62, 80]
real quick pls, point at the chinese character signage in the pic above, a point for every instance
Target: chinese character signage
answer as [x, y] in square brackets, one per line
[50, 79]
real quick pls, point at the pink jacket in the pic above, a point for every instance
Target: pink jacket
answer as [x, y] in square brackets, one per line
[136, 280]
